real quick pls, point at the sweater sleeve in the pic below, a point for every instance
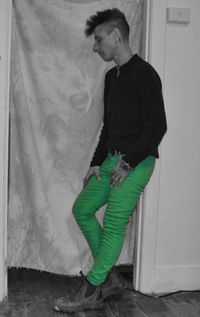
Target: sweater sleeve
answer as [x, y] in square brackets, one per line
[154, 125]
[101, 149]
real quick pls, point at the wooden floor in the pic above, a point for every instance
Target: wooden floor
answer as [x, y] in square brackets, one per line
[31, 294]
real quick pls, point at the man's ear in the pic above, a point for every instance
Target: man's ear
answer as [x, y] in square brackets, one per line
[116, 34]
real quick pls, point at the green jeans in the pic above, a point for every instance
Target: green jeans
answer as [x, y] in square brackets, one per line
[106, 242]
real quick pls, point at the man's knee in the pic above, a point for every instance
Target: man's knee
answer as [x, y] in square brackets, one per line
[82, 211]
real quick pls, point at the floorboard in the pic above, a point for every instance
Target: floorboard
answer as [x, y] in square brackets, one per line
[31, 294]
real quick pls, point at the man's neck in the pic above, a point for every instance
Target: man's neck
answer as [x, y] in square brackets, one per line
[123, 56]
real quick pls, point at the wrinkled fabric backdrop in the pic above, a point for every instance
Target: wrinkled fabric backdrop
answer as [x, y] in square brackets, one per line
[56, 112]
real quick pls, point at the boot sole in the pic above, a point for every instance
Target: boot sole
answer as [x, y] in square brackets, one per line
[79, 308]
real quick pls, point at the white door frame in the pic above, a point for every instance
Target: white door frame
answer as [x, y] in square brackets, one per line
[147, 210]
[5, 44]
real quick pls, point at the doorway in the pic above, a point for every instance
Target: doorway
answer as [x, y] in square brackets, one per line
[48, 131]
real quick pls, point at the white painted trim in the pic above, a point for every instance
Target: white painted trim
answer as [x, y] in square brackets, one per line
[175, 278]
[139, 213]
[147, 215]
[5, 44]
[146, 29]
[137, 244]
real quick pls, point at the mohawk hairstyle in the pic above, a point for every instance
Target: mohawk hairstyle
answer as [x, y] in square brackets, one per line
[111, 18]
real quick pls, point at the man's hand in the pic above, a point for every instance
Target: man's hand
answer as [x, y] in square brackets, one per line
[120, 171]
[93, 170]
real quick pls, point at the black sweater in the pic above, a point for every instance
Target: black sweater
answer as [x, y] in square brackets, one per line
[134, 117]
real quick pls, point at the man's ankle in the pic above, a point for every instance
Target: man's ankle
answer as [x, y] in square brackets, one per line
[90, 288]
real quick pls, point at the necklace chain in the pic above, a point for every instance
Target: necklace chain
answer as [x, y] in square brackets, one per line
[118, 67]
[118, 70]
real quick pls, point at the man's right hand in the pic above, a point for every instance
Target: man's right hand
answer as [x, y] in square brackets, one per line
[93, 170]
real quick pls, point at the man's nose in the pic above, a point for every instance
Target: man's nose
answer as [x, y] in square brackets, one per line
[95, 47]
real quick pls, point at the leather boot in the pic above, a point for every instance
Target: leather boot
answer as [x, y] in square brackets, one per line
[87, 297]
[114, 284]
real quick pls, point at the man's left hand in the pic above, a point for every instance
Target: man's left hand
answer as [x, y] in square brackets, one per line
[118, 174]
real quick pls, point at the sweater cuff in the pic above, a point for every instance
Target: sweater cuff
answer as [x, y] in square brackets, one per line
[130, 160]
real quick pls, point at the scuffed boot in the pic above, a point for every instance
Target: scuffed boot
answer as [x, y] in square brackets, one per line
[87, 297]
[114, 284]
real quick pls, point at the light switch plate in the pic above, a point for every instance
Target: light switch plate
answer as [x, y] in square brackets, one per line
[178, 15]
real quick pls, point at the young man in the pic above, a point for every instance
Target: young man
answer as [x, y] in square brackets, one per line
[133, 126]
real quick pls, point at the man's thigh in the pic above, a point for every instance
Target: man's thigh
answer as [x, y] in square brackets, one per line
[123, 199]
[93, 196]
[96, 192]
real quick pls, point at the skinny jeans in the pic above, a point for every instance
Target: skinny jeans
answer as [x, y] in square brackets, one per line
[107, 241]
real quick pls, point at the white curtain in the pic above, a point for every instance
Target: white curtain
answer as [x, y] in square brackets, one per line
[55, 120]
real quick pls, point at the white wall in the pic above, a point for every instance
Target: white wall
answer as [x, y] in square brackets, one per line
[171, 235]
[179, 217]
[5, 25]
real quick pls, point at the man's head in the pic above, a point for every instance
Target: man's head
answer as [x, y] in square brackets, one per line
[110, 30]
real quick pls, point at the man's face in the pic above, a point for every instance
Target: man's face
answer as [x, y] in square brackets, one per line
[105, 44]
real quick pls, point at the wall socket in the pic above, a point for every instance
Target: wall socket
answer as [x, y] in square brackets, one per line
[178, 15]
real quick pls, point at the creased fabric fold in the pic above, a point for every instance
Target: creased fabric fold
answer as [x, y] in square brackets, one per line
[56, 108]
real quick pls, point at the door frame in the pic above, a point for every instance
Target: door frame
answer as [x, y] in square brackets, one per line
[154, 42]
[5, 45]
